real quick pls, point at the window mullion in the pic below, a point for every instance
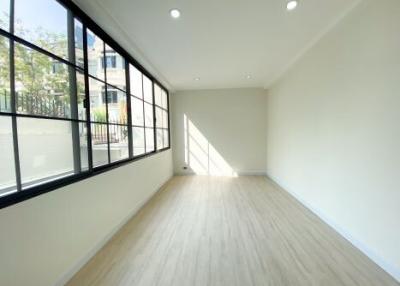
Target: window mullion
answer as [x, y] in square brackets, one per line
[87, 99]
[106, 97]
[168, 120]
[144, 117]
[129, 109]
[154, 116]
[14, 101]
[73, 94]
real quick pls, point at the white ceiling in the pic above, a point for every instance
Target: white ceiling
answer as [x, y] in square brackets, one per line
[219, 41]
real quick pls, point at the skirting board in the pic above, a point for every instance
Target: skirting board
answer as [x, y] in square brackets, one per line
[102, 242]
[390, 269]
[239, 173]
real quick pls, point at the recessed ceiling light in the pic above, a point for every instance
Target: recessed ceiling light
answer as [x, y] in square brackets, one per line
[291, 5]
[175, 13]
[248, 76]
[196, 78]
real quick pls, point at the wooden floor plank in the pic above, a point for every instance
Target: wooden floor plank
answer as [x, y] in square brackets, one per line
[219, 231]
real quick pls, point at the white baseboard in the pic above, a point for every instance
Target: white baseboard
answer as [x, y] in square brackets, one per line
[102, 242]
[252, 173]
[239, 173]
[390, 269]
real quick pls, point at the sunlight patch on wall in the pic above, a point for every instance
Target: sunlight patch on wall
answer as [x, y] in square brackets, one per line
[200, 156]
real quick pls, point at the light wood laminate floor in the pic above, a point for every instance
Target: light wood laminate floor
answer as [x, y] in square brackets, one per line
[228, 231]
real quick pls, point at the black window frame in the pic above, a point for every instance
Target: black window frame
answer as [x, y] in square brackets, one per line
[75, 12]
[162, 109]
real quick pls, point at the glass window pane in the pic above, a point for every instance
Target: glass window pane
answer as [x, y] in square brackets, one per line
[45, 149]
[79, 55]
[95, 55]
[41, 84]
[159, 117]
[99, 144]
[166, 139]
[80, 85]
[148, 113]
[157, 95]
[98, 111]
[115, 68]
[149, 140]
[43, 23]
[5, 14]
[135, 81]
[117, 107]
[138, 141]
[83, 140]
[164, 99]
[7, 167]
[147, 89]
[5, 100]
[118, 142]
[165, 119]
[137, 111]
[160, 135]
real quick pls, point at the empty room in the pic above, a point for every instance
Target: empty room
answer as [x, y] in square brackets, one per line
[199, 143]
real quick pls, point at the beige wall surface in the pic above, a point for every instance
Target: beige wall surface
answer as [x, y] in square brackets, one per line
[333, 130]
[44, 239]
[219, 132]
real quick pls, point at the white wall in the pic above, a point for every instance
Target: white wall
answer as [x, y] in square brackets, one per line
[44, 239]
[225, 129]
[333, 129]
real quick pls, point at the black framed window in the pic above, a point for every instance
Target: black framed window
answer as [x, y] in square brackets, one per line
[40, 95]
[162, 117]
[140, 135]
[148, 114]
[109, 114]
[73, 103]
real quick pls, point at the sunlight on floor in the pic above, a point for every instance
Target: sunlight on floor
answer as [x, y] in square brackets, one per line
[200, 156]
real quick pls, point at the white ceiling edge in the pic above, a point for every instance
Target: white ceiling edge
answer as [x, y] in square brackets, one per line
[97, 11]
[312, 43]
[201, 89]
